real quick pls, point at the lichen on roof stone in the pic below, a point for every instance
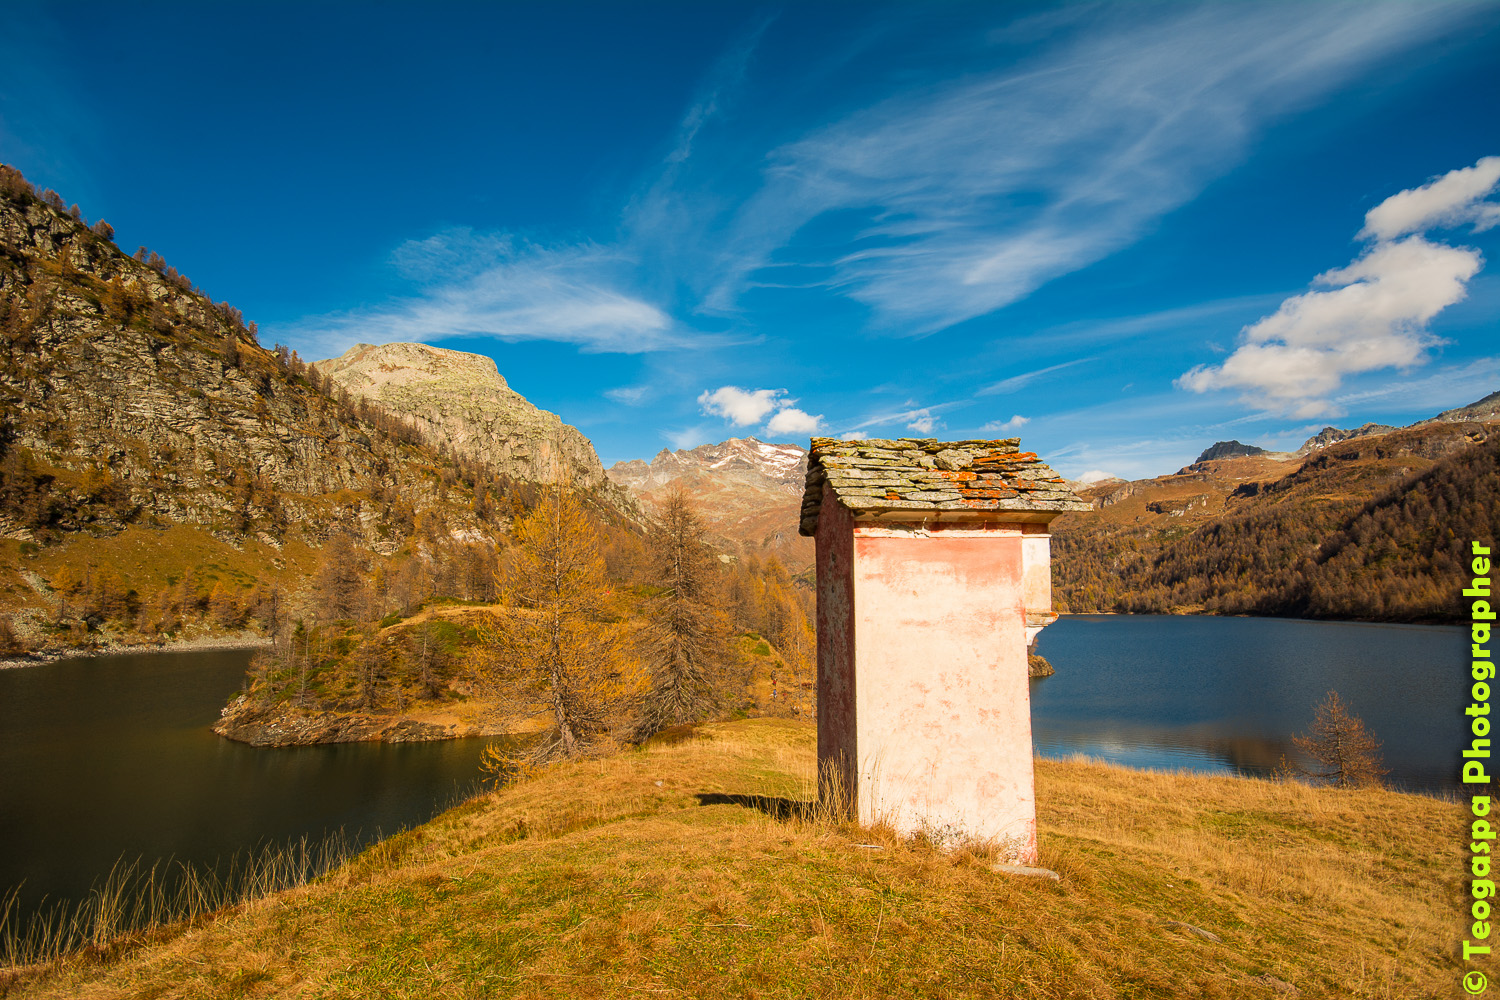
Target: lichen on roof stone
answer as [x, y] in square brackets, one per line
[950, 478]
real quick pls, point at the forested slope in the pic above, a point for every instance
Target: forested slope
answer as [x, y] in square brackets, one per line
[1373, 529]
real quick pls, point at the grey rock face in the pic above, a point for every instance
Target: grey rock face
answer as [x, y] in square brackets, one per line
[1333, 435]
[461, 401]
[139, 389]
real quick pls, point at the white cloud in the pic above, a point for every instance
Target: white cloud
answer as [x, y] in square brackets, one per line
[1015, 423]
[687, 437]
[1096, 476]
[493, 286]
[739, 406]
[1452, 199]
[743, 407]
[1374, 315]
[962, 196]
[923, 421]
[794, 422]
[854, 436]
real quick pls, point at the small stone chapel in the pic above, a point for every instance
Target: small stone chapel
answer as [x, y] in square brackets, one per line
[934, 577]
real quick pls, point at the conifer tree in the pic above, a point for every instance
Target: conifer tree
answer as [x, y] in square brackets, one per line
[339, 582]
[559, 635]
[1347, 755]
[687, 635]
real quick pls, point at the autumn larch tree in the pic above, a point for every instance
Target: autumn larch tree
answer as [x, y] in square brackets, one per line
[339, 582]
[558, 636]
[1347, 755]
[687, 634]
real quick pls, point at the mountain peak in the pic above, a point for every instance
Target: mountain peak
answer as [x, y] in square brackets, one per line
[748, 491]
[409, 364]
[1228, 449]
[461, 401]
[781, 466]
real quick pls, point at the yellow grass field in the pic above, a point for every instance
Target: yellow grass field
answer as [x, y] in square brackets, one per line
[696, 867]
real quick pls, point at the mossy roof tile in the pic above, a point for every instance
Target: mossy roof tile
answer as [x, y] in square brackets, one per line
[920, 474]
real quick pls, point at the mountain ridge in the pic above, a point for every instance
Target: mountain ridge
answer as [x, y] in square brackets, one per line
[748, 492]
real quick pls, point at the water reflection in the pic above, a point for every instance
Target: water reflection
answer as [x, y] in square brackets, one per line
[1192, 748]
[1227, 694]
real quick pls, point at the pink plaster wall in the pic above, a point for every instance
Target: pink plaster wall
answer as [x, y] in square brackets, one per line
[941, 727]
[1036, 578]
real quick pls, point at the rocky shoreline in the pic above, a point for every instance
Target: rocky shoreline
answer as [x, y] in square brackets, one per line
[110, 647]
[282, 725]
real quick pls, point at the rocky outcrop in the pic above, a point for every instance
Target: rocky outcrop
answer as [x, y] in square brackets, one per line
[1486, 409]
[461, 402]
[1228, 449]
[1333, 435]
[283, 726]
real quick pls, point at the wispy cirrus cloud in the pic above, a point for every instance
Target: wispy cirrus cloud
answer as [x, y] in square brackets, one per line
[913, 417]
[1373, 314]
[1017, 382]
[962, 195]
[497, 286]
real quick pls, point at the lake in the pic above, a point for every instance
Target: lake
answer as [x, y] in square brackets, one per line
[112, 757]
[1227, 694]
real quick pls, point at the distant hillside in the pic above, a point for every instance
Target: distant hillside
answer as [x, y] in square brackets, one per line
[749, 493]
[1373, 527]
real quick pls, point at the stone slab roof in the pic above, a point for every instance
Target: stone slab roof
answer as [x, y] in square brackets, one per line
[908, 477]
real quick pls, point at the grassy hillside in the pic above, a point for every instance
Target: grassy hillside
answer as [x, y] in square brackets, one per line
[694, 867]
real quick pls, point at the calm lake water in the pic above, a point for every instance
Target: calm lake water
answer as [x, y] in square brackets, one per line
[1227, 694]
[112, 757]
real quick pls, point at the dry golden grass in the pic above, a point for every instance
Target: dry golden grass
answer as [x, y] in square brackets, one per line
[693, 868]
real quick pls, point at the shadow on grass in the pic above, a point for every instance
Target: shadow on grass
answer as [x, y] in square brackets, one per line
[777, 808]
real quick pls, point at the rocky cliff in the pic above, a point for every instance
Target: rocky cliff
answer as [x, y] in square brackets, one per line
[122, 383]
[460, 401]
[1333, 435]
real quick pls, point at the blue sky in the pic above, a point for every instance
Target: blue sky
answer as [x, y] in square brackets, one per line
[1120, 231]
